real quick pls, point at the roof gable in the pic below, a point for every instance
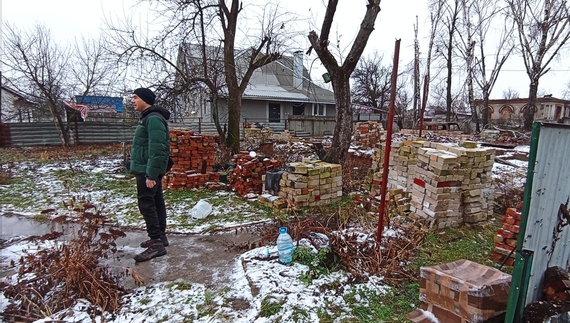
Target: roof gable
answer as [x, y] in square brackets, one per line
[274, 81]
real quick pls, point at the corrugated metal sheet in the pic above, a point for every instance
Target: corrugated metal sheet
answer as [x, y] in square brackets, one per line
[45, 133]
[550, 188]
[274, 92]
[91, 132]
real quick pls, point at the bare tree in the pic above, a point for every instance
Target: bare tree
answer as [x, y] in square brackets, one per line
[404, 118]
[157, 59]
[50, 73]
[340, 74]
[511, 93]
[450, 21]
[467, 49]
[263, 54]
[436, 10]
[544, 29]
[486, 13]
[91, 68]
[37, 67]
[371, 87]
[206, 26]
[416, 105]
[566, 94]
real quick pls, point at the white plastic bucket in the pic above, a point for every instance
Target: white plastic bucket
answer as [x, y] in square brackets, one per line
[201, 210]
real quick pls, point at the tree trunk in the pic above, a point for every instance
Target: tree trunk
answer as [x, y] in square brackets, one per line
[449, 99]
[485, 108]
[234, 113]
[216, 117]
[343, 127]
[529, 116]
[60, 128]
[340, 75]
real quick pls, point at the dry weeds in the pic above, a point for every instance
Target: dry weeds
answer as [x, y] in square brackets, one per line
[53, 278]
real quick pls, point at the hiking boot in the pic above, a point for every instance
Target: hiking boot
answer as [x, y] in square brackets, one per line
[154, 249]
[163, 238]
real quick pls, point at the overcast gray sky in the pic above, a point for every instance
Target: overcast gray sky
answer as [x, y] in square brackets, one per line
[70, 18]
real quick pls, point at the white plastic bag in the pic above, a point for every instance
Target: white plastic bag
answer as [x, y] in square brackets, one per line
[201, 210]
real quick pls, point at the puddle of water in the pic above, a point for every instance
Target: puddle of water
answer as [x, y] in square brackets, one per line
[15, 226]
[191, 258]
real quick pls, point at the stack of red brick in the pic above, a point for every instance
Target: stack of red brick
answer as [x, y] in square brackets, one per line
[193, 156]
[507, 236]
[368, 134]
[247, 174]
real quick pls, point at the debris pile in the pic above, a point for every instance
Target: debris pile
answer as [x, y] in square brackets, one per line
[254, 137]
[490, 135]
[556, 303]
[246, 177]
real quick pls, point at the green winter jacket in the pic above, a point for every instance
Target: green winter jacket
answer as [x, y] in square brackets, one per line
[151, 143]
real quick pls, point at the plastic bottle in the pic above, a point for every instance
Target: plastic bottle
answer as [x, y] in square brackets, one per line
[201, 210]
[285, 246]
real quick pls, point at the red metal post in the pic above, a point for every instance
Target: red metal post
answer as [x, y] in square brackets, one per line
[388, 142]
[424, 100]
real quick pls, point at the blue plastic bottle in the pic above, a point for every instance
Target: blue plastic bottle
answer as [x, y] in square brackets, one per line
[285, 246]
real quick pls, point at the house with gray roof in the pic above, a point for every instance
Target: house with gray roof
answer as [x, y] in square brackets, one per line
[276, 91]
[284, 88]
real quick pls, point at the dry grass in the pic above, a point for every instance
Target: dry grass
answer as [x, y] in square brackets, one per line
[53, 278]
[352, 234]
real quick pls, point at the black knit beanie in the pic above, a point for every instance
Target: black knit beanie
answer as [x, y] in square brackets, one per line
[145, 94]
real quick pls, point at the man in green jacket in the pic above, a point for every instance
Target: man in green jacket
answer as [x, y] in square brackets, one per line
[149, 160]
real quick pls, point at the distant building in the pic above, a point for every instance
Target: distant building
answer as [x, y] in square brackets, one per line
[94, 107]
[511, 112]
[102, 104]
[16, 108]
[276, 90]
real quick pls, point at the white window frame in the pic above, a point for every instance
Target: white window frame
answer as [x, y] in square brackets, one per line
[319, 109]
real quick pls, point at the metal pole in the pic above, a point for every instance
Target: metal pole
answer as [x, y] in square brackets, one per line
[424, 100]
[388, 142]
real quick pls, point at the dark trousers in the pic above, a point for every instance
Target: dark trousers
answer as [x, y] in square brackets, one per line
[151, 206]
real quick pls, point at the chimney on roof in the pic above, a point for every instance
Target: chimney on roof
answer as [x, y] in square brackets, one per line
[298, 70]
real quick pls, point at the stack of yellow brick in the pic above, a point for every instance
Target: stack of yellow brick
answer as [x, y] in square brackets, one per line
[472, 172]
[477, 189]
[402, 165]
[311, 183]
[398, 166]
[408, 160]
[450, 184]
[373, 179]
[436, 189]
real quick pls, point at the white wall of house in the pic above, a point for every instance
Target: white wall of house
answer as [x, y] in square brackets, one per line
[16, 109]
[8, 112]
